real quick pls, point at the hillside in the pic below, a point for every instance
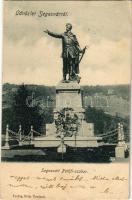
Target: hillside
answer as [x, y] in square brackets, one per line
[113, 99]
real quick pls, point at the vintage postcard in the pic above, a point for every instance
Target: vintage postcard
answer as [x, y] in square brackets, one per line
[66, 100]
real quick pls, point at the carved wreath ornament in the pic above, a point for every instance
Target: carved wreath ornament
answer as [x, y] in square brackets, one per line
[66, 123]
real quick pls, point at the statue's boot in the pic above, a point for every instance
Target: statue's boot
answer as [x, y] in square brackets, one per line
[70, 78]
[64, 79]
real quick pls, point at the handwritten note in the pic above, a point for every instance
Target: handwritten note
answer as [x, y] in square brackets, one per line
[64, 181]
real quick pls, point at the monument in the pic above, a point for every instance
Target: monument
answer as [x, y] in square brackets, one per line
[69, 128]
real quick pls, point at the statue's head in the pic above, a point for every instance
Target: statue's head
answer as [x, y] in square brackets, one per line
[68, 27]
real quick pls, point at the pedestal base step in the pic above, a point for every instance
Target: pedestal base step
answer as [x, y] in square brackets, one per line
[78, 141]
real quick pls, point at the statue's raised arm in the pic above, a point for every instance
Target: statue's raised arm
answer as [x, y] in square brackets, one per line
[56, 35]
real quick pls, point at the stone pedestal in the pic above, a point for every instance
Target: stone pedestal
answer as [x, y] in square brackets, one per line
[68, 95]
[120, 151]
[50, 129]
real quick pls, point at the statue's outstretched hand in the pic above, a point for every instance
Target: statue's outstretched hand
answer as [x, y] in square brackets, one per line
[46, 31]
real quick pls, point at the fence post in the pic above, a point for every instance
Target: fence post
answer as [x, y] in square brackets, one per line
[6, 146]
[122, 134]
[121, 140]
[20, 135]
[31, 132]
[121, 146]
[119, 133]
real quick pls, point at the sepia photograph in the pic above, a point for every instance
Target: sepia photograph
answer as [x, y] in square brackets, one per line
[66, 82]
[65, 128]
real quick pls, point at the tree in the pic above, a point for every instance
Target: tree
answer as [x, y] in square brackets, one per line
[24, 113]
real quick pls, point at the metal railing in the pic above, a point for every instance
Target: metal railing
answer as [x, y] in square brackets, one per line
[21, 138]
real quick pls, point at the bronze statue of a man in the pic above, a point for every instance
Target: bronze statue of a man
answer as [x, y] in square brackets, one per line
[70, 52]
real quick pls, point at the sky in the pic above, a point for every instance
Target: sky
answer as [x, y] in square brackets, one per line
[31, 56]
